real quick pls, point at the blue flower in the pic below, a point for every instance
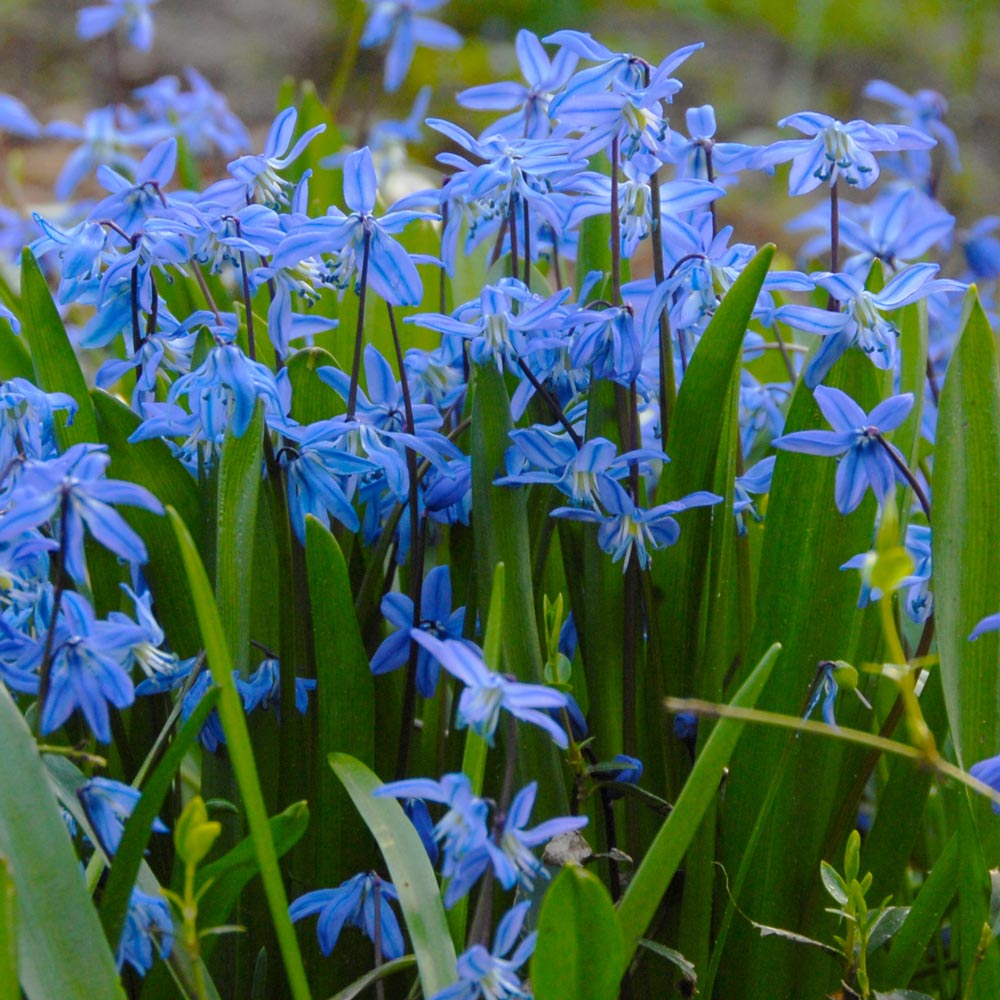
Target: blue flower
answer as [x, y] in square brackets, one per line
[391, 272]
[72, 486]
[627, 529]
[487, 692]
[513, 860]
[262, 688]
[147, 923]
[544, 79]
[133, 15]
[132, 199]
[991, 623]
[108, 805]
[399, 23]
[436, 618]
[17, 119]
[988, 771]
[858, 436]
[860, 322]
[629, 772]
[353, 903]
[489, 975]
[836, 149]
[259, 173]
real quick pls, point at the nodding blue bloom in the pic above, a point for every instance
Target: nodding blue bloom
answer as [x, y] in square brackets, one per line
[133, 15]
[544, 79]
[513, 860]
[462, 829]
[262, 688]
[259, 172]
[831, 675]
[991, 623]
[629, 773]
[627, 529]
[27, 420]
[16, 119]
[686, 730]
[200, 114]
[108, 805]
[837, 149]
[147, 923]
[487, 692]
[391, 273]
[436, 618]
[988, 771]
[73, 487]
[353, 903]
[756, 480]
[858, 436]
[132, 199]
[981, 249]
[489, 975]
[923, 110]
[399, 22]
[860, 322]
[692, 155]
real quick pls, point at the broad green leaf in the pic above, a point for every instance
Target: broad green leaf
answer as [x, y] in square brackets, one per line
[227, 877]
[651, 879]
[9, 989]
[965, 542]
[983, 969]
[387, 969]
[772, 843]
[61, 951]
[55, 365]
[409, 870]
[833, 882]
[580, 949]
[696, 428]
[501, 535]
[15, 361]
[236, 521]
[241, 756]
[312, 398]
[150, 464]
[345, 709]
[138, 827]
[909, 946]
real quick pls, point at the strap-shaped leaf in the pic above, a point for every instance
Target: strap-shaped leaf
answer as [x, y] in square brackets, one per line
[410, 871]
[61, 948]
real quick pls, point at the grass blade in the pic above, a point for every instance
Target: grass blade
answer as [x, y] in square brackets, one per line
[234, 724]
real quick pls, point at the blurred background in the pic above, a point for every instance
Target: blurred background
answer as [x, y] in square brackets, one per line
[763, 59]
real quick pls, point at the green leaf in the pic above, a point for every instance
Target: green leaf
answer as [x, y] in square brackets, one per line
[312, 398]
[967, 537]
[55, 365]
[345, 703]
[580, 951]
[61, 948]
[15, 361]
[228, 876]
[383, 971]
[886, 926]
[9, 989]
[236, 523]
[833, 883]
[650, 881]
[241, 756]
[696, 428]
[673, 956]
[409, 870]
[128, 857]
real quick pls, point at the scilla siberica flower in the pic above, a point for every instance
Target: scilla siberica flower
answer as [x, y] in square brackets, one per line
[858, 436]
[108, 805]
[133, 15]
[399, 22]
[489, 975]
[487, 692]
[147, 922]
[353, 903]
[837, 149]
